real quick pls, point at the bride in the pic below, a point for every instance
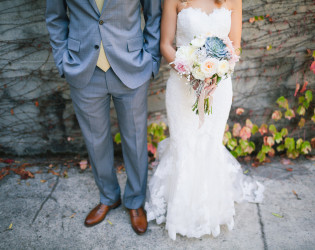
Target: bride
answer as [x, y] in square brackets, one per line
[197, 181]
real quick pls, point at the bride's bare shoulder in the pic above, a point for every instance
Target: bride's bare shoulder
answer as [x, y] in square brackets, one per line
[175, 4]
[234, 4]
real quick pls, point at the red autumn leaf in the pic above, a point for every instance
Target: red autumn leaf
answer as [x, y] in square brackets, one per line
[252, 19]
[5, 173]
[304, 87]
[8, 161]
[313, 142]
[151, 148]
[297, 87]
[263, 129]
[269, 141]
[245, 133]
[53, 172]
[236, 129]
[239, 111]
[289, 169]
[312, 68]
[12, 112]
[36, 104]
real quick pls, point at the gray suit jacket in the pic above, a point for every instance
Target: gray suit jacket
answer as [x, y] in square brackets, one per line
[77, 28]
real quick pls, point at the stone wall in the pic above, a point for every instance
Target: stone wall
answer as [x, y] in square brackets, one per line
[36, 114]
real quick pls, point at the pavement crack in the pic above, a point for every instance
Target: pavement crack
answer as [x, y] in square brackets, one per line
[48, 197]
[262, 228]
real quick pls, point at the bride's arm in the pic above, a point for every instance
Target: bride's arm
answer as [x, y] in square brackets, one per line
[168, 29]
[236, 24]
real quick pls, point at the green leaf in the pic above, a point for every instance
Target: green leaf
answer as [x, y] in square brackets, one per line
[306, 147]
[301, 99]
[243, 144]
[289, 143]
[252, 145]
[282, 102]
[255, 129]
[246, 171]
[256, 18]
[284, 132]
[227, 136]
[261, 156]
[278, 137]
[299, 143]
[289, 114]
[277, 215]
[234, 154]
[232, 143]
[272, 129]
[280, 148]
[301, 110]
[117, 138]
[306, 104]
[292, 154]
[314, 53]
[313, 118]
[239, 150]
[309, 95]
[265, 149]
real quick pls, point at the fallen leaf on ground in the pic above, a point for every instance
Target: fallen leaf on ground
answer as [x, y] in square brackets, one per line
[72, 216]
[65, 174]
[289, 169]
[286, 162]
[42, 181]
[53, 172]
[83, 164]
[39, 172]
[277, 215]
[296, 195]
[10, 227]
[109, 222]
[311, 158]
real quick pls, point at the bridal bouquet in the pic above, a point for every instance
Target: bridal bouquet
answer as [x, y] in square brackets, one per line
[204, 62]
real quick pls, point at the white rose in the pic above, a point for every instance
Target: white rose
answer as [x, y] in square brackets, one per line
[198, 42]
[186, 54]
[223, 67]
[198, 74]
[209, 67]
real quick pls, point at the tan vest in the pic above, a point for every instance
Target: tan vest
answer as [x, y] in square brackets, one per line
[102, 61]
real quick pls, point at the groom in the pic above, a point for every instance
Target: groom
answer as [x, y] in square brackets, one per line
[100, 49]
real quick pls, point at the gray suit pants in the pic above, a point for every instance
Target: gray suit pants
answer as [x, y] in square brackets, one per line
[92, 108]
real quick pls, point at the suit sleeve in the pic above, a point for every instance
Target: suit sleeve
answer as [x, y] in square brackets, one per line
[152, 16]
[57, 22]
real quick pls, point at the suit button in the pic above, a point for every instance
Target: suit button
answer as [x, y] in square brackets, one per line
[101, 22]
[96, 47]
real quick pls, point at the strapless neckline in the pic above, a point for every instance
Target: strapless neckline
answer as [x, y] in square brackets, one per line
[200, 10]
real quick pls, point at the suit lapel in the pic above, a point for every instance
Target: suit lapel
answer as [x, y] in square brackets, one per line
[104, 5]
[93, 3]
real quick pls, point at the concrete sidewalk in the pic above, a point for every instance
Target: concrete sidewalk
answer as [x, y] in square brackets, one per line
[50, 215]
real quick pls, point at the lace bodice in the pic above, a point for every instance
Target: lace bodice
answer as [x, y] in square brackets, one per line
[193, 22]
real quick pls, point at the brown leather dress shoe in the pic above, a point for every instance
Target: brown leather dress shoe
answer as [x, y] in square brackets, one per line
[98, 214]
[138, 220]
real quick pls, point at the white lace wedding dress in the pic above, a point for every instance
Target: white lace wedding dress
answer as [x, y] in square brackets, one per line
[197, 181]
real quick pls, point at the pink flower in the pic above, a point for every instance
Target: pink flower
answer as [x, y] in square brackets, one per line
[181, 67]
